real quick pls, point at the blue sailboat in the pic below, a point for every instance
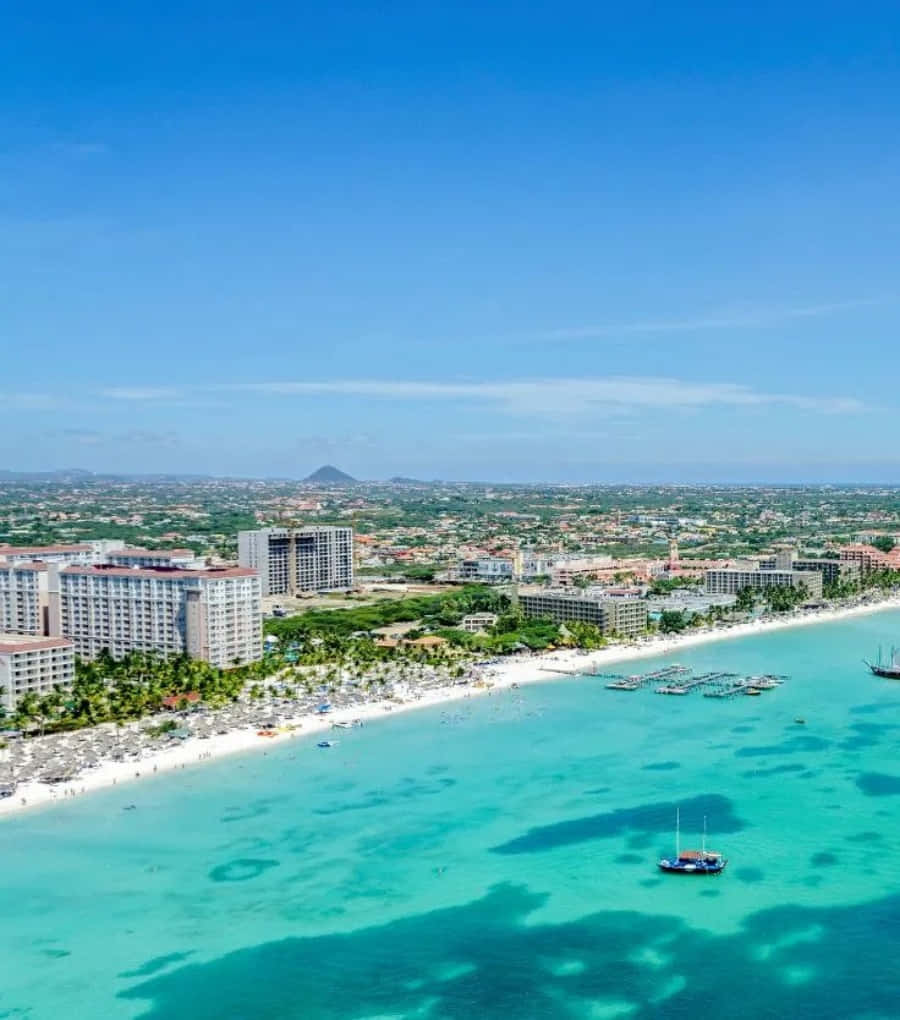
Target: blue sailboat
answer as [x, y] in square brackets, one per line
[692, 862]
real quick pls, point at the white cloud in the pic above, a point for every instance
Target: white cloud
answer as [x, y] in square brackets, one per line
[614, 394]
[142, 393]
[737, 319]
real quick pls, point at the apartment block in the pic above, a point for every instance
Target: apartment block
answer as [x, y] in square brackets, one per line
[33, 665]
[868, 558]
[491, 569]
[292, 561]
[625, 616]
[831, 570]
[211, 614]
[732, 580]
[24, 599]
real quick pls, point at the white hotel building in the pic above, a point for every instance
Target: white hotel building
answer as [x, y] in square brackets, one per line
[211, 614]
[24, 598]
[295, 560]
[33, 665]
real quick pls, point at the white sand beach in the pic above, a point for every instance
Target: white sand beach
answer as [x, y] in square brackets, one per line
[497, 676]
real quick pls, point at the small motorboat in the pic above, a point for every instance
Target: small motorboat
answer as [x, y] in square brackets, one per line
[326, 743]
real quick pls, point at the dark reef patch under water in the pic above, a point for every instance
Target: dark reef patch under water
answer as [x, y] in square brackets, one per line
[481, 960]
[878, 784]
[645, 820]
[795, 745]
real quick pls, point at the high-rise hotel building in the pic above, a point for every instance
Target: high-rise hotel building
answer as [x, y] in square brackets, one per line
[24, 598]
[295, 560]
[212, 614]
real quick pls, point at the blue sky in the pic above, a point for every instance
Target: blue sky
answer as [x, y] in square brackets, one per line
[530, 242]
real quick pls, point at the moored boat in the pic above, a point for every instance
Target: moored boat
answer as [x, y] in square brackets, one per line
[692, 862]
[891, 671]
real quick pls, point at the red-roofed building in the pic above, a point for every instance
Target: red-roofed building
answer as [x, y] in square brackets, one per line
[869, 558]
[212, 614]
[176, 700]
[33, 665]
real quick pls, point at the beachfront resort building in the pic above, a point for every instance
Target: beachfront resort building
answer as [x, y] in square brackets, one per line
[624, 616]
[212, 614]
[868, 558]
[831, 570]
[732, 580]
[33, 665]
[292, 561]
[24, 598]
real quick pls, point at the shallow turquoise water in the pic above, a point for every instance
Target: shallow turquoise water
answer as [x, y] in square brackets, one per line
[493, 859]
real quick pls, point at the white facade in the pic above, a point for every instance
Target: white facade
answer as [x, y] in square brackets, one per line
[624, 616]
[33, 665]
[23, 598]
[497, 569]
[212, 614]
[478, 623]
[731, 581]
[295, 560]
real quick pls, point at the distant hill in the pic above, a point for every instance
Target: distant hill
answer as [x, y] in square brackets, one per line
[329, 475]
[402, 480]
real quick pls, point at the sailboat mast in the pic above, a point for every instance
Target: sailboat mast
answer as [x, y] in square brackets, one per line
[678, 832]
[704, 836]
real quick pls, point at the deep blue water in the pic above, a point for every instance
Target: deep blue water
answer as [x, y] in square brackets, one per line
[493, 859]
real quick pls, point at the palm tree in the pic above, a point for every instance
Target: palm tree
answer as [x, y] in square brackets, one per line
[27, 710]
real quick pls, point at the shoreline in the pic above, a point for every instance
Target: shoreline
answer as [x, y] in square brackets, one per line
[498, 676]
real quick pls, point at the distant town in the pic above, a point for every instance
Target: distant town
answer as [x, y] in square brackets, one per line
[232, 572]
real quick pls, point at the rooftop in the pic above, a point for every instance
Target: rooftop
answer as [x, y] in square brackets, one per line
[29, 643]
[133, 550]
[104, 570]
[36, 550]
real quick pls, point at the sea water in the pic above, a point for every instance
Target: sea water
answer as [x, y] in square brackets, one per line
[494, 858]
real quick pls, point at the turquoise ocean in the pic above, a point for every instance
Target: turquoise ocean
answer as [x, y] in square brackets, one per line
[494, 858]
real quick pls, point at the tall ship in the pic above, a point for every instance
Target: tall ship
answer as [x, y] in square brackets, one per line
[692, 862]
[891, 670]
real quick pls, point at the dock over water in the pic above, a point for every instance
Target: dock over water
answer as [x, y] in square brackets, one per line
[680, 681]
